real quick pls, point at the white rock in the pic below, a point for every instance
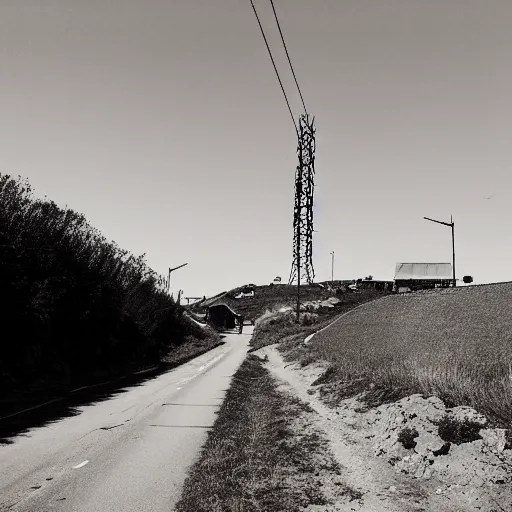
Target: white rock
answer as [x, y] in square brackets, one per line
[463, 413]
[494, 438]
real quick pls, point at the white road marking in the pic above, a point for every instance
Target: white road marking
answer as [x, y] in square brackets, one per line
[200, 369]
[178, 388]
[81, 465]
[210, 363]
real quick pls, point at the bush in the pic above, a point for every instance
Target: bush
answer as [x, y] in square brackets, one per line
[279, 315]
[308, 318]
[456, 431]
[407, 437]
[72, 304]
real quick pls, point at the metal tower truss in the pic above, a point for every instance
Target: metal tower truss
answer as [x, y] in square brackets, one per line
[302, 267]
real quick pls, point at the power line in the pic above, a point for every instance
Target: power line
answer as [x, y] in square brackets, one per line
[274, 64]
[287, 54]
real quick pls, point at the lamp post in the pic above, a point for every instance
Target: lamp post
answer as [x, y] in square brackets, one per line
[171, 270]
[332, 269]
[452, 225]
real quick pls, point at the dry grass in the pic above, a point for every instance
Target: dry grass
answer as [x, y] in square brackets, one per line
[456, 344]
[252, 459]
[278, 322]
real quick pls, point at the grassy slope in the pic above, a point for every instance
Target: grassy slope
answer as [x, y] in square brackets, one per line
[273, 327]
[455, 344]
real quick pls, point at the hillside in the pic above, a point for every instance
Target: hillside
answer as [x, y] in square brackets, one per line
[418, 391]
[270, 297]
[454, 343]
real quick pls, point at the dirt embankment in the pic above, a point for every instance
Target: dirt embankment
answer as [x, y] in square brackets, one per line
[411, 455]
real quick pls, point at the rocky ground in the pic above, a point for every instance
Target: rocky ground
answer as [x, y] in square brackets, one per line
[412, 455]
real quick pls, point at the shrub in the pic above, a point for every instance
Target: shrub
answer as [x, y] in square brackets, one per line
[73, 304]
[407, 437]
[308, 318]
[279, 315]
[458, 432]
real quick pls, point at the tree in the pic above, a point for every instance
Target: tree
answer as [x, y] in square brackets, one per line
[467, 279]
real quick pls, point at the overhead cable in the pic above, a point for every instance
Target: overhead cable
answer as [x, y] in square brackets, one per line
[287, 54]
[274, 64]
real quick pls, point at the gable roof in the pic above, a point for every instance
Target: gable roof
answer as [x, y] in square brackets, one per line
[438, 271]
[224, 307]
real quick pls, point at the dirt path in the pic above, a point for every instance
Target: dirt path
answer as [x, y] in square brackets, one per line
[382, 486]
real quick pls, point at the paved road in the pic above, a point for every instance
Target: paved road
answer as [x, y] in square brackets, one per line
[130, 453]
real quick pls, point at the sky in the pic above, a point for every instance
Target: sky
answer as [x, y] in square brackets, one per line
[163, 122]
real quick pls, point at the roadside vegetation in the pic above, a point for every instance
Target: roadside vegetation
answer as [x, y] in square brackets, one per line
[278, 322]
[75, 307]
[259, 456]
[455, 344]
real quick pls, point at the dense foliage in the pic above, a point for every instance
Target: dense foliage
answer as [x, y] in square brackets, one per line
[72, 304]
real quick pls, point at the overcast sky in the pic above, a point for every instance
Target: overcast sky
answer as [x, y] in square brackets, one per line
[163, 122]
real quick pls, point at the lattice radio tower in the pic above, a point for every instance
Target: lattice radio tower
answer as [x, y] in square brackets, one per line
[302, 266]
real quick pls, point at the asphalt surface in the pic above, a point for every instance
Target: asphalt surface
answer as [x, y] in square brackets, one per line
[130, 453]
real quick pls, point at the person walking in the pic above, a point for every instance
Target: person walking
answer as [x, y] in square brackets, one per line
[241, 324]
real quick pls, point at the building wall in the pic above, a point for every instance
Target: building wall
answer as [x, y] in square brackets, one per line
[421, 284]
[222, 317]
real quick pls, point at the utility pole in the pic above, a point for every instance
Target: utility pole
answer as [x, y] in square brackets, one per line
[169, 280]
[452, 225]
[332, 269]
[298, 198]
[453, 250]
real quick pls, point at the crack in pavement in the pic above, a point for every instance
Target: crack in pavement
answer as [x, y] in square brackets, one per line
[110, 428]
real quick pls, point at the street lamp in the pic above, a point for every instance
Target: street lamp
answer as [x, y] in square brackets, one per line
[452, 225]
[332, 269]
[171, 270]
